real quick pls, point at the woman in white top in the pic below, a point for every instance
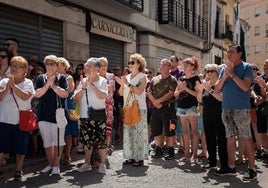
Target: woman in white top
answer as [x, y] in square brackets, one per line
[17, 86]
[92, 93]
[135, 138]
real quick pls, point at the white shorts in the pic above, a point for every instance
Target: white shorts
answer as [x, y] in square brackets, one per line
[49, 134]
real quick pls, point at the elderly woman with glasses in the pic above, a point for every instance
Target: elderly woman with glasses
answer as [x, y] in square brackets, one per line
[51, 91]
[92, 93]
[213, 125]
[16, 88]
[135, 138]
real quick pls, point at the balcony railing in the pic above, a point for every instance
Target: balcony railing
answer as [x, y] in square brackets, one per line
[134, 4]
[224, 31]
[173, 13]
[228, 31]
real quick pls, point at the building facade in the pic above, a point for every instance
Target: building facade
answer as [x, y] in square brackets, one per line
[255, 13]
[78, 29]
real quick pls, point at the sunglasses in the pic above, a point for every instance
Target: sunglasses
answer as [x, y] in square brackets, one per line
[3, 56]
[210, 71]
[80, 68]
[255, 69]
[131, 63]
[8, 44]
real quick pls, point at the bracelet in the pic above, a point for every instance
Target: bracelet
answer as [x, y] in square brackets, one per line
[233, 76]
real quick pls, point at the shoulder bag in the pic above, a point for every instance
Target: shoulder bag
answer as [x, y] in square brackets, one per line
[131, 111]
[28, 119]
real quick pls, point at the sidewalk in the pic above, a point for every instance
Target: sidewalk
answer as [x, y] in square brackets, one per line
[9, 168]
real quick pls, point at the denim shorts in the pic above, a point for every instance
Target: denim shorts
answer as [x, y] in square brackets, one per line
[192, 111]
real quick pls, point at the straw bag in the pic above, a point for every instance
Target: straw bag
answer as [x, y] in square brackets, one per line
[131, 111]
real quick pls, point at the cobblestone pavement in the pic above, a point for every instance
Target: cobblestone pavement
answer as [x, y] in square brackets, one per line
[156, 173]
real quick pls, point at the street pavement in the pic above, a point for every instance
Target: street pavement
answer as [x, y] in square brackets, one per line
[156, 173]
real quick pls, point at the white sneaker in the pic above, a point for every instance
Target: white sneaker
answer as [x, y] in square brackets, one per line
[85, 167]
[55, 170]
[102, 169]
[46, 170]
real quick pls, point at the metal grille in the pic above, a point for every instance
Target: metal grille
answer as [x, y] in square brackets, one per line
[38, 35]
[112, 49]
[174, 13]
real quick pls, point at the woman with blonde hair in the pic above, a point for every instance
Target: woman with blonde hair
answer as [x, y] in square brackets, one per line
[16, 93]
[51, 91]
[71, 129]
[135, 138]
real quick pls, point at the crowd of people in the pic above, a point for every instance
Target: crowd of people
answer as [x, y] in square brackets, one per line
[223, 106]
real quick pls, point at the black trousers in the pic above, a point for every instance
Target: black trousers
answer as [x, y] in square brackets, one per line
[216, 137]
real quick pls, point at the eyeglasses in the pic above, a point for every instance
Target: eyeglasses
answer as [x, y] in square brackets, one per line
[17, 66]
[49, 64]
[147, 72]
[255, 69]
[3, 56]
[131, 63]
[8, 44]
[210, 71]
[165, 65]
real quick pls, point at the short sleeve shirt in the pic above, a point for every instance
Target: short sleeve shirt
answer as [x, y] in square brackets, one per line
[159, 87]
[185, 99]
[232, 96]
[50, 101]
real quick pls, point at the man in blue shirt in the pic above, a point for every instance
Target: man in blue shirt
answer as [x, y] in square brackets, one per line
[234, 81]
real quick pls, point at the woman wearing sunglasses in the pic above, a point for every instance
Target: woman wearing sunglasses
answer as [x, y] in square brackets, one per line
[135, 138]
[5, 57]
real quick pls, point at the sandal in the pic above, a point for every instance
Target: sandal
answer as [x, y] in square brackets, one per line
[184, 159]
[66, 161]
[18, 175]
[129, 161]
[202, 155]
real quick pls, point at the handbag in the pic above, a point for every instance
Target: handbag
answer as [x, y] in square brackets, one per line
[131, 111]
[60, 115]
[94, 114]
[28, 119]
[73, 116]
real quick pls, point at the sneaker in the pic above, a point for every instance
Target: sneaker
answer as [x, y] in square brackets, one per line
[209, 166]
[55, 170]
[263, 155]
[85, 167]
[158, 152]
[170, 157]
[250, 175]
[102, 169]
[46, 170]
[18, 175]
[171, 153]
[226, 171]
